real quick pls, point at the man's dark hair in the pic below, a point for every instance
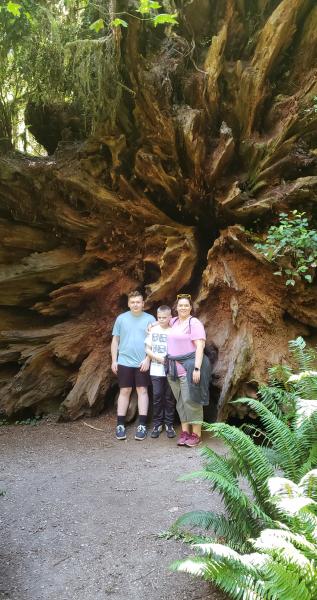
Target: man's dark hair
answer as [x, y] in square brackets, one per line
[164, 308]
[135, 294]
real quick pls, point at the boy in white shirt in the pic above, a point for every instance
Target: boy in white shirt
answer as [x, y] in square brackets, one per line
[163, 399]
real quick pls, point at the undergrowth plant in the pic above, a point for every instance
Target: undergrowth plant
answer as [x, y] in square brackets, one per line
[287, 412]
[282, 562]
[292, 245]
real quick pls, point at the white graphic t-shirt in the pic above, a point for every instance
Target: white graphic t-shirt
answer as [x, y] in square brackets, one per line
[157, 341]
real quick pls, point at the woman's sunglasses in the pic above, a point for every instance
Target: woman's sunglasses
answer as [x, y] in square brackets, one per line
[179, 296]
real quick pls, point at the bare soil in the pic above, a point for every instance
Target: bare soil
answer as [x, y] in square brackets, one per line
[81, 514]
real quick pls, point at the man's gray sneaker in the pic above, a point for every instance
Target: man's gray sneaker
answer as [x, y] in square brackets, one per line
[140, 433]
[120, 432]
[156, 431]
[170, 431]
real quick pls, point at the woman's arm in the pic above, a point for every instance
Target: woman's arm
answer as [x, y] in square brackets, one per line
[199, 354]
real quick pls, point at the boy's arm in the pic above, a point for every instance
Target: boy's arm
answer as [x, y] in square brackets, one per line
[153, 356]
[149, 350]
[114, 353]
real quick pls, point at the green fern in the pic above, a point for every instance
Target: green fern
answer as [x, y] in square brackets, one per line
[292, 447]
[306, 358]
[284, 564]
[250, 459]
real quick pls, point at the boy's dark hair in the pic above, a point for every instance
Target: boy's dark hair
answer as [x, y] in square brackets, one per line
[164, 308]
[135, 294]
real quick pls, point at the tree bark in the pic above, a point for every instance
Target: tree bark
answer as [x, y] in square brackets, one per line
[216, 130]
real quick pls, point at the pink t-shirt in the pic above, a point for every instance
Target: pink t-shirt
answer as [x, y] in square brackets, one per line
[181, 338]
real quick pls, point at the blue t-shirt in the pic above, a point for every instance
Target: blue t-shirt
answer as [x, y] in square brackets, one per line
[132, 331]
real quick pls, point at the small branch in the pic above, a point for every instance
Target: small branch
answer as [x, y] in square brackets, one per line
[92, 427]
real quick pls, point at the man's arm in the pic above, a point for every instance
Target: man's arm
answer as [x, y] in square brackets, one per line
[114, 353]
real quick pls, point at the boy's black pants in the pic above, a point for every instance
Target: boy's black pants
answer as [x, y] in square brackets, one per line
[163, 402]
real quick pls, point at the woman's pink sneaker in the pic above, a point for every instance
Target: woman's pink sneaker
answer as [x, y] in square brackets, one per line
[192, 440]
[183, 438]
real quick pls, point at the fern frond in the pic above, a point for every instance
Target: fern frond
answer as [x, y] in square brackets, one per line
[218, 463]
[305, 384]
[282, 438]
[279, 375]
[194, 565]
[276, 399]
[271, 455]
[285, 583]
[274, 545]
[306, 358]
[230, 577]
[269, 537]
[252, 462]
[305, 409]
[202, 519]
[308, 484]
[310, 463]
[221, 525]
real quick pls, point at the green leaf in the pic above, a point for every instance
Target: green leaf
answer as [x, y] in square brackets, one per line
[308, 278]
[290, 282]
[145, 6]
[165, 18]
[29, 18]
[277, 273]
[14, 8]
[97, 25]
[118, 23]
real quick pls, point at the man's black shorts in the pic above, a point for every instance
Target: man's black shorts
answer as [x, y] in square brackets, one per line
[132, 377]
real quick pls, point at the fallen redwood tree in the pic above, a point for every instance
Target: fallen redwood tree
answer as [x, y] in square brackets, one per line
[215, 129]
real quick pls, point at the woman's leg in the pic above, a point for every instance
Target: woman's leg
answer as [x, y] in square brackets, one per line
[186, 427]
[196, 429]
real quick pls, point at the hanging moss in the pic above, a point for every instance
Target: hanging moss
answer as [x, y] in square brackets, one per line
[94, 74]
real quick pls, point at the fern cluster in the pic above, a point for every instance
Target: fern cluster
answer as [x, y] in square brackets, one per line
[282, 563]
[277, 538]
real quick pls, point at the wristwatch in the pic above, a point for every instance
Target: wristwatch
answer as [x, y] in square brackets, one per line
[196, 369]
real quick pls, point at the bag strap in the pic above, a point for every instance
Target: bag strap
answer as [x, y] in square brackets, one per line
[174, 319]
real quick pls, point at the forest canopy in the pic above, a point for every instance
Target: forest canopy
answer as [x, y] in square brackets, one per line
[64, 53]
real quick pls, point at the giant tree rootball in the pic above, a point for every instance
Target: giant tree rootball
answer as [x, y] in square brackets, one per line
[216, 127]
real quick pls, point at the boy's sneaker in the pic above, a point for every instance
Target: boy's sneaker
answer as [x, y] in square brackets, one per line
[170, 431]
[156, 431]
[183, 438]
[193, 440]
[120, 432]
[140, 433]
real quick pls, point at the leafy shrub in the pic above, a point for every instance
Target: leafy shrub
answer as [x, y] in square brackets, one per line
[292, 246]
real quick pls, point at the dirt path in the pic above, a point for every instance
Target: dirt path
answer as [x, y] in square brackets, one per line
[81, 513]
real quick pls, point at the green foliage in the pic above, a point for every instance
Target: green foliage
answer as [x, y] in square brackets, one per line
[292, 246]
[283, 561]
[261, 511]
[14, 8]
[118, 22]
[64, 52]
[29, 421]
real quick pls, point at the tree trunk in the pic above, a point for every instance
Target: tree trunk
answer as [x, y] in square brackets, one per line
[216, 129]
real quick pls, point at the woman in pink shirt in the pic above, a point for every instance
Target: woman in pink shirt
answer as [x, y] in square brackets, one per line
[188, 370]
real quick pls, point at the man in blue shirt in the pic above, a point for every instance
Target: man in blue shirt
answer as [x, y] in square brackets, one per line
[130, 363]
